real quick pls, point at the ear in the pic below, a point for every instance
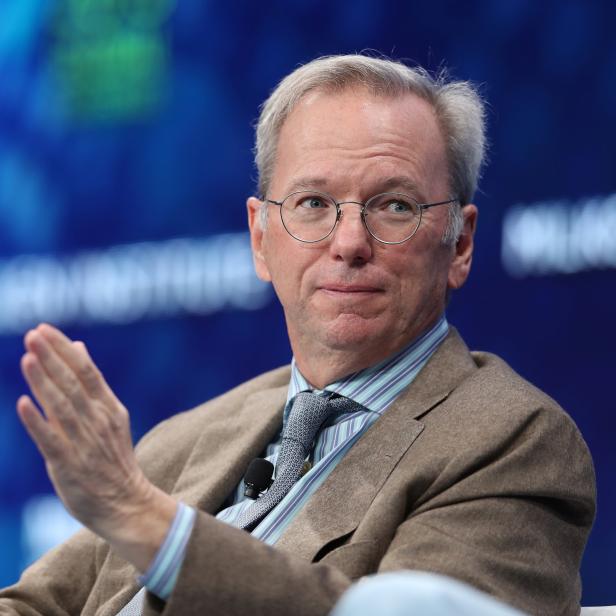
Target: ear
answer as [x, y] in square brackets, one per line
[253, 205]
[460, 265]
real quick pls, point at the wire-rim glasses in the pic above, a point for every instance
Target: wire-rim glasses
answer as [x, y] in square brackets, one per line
[390, 218]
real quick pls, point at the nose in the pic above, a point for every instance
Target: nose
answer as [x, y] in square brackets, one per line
[351, 241]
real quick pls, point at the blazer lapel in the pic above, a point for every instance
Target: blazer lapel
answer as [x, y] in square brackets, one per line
[341, 502]
[232, 439]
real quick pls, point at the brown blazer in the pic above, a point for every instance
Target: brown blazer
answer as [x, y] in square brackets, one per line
[472, 472]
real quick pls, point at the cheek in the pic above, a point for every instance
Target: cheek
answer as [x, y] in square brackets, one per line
[287, 271]
[420, 280]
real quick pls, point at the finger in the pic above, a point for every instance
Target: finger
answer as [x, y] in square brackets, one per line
[79, 360]
[58, 409]
[48, 442]
[57, 370]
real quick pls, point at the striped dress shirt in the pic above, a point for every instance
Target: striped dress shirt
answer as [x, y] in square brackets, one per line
[374, 388]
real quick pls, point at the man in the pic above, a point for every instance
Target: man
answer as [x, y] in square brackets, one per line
[420, 455]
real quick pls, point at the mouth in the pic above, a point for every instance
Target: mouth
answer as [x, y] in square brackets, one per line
[349, 290]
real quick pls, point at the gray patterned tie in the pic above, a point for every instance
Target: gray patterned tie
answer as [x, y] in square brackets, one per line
[308, 413]
[135, 606]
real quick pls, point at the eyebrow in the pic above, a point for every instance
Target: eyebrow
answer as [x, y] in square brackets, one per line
[308, 182]
[401, 183]
[397, 183]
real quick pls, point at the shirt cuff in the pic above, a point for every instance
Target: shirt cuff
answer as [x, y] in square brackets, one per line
[162, 574]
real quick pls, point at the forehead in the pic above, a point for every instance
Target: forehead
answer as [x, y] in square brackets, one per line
[355, 141]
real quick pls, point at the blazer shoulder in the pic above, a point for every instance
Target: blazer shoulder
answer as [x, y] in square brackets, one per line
[497, 382]
[176, 436]
[503, 399]
[482, 383]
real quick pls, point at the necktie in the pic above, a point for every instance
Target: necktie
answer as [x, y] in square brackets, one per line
[307, 415]
[135, 606]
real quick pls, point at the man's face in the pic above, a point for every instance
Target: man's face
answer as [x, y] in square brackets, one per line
[350, 295]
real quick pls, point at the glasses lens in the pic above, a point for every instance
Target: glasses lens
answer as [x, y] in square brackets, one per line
[308, 216]
[392, 217]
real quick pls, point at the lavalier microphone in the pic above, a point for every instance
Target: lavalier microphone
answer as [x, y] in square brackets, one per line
[258, 477]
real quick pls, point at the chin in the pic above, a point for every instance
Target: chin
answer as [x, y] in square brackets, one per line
[350, 331]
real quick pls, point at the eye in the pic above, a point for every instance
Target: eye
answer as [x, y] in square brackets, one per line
[312, 202]
[393, 206]
[399, 207]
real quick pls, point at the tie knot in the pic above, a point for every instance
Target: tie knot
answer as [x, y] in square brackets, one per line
[308, 413]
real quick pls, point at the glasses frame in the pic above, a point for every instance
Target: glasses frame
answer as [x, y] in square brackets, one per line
[421, 207]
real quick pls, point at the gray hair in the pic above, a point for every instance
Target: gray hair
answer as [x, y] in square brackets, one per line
[458, 107]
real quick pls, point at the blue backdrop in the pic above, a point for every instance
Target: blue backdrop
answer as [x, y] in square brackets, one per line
[125, 162]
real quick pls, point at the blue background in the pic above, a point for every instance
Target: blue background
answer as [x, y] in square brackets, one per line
[127, 121]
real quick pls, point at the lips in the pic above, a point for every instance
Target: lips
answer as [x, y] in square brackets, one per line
[351, 288]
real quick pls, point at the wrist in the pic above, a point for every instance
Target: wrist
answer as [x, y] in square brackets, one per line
[141, 525]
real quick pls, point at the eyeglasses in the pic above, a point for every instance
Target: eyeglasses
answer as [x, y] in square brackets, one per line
[390, 218]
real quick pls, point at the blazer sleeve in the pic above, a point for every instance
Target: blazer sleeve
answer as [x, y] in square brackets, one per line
[59, 583]
[227, 571]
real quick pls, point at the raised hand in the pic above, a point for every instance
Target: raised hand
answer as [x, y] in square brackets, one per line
[85, 439]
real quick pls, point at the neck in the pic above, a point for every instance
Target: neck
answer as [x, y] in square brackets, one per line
[322, 365]
[330, 367]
